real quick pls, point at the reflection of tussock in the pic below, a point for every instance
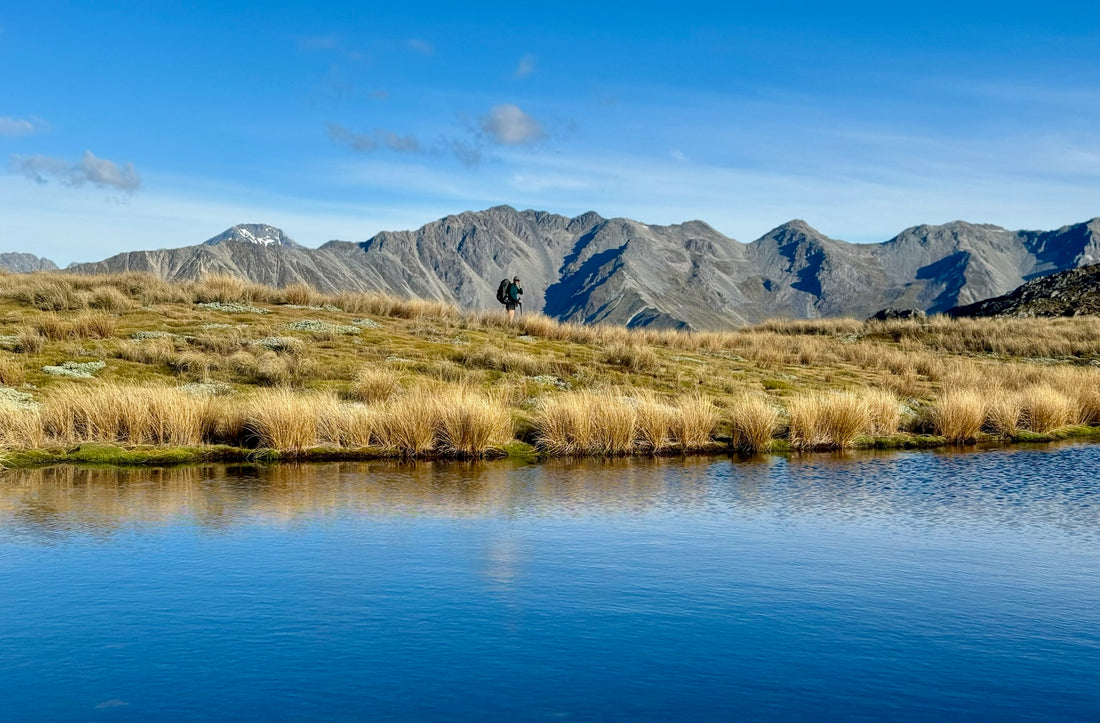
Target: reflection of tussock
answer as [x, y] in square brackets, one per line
[1010, 488]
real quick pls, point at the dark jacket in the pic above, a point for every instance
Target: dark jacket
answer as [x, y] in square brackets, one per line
[514, 291]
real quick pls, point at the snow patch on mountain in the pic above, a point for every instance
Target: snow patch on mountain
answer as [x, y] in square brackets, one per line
[253, 233]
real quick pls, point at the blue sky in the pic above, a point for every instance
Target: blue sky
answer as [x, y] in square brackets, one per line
[123, 127]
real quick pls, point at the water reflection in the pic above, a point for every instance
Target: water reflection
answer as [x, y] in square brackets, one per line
[1048, 487]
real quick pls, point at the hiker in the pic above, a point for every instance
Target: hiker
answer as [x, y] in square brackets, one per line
[508, 293]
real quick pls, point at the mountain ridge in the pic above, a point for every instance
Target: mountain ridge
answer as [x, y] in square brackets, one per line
[592, 269]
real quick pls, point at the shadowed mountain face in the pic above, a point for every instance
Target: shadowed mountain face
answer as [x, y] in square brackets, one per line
[592, 269]
[25, 263]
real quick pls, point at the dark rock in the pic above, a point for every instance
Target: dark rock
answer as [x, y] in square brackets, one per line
[891, 313]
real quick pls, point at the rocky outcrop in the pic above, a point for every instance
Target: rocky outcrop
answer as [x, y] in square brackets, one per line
[1069, 293]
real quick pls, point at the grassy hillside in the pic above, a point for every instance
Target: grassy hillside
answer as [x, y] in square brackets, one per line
[173, 371]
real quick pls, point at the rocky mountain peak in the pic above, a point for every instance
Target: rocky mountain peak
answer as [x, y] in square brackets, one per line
[794, 231]
[253, 233]
[23, 263]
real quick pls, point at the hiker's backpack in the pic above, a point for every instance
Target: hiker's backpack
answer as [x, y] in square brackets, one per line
[502, 291]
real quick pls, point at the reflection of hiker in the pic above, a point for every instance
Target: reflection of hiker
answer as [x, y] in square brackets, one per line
[509, 293]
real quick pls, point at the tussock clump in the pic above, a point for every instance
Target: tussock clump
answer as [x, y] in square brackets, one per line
[827, 421]
[488, 357]
[20, 425]
[47, 292]
[349, 425]
[695, 420]
[754, 420]
[12, 373]
[472, 424]
[410, 423]
[108, 298]
[586, 422]
[153, 414]
[564, 423]
[1046, 409]
[287, 420]
[1003, 413]
[630, 357]
[958, 415]
[302, 294]
[154, 351]
[614, 425]
[884, 411]
[653, 418]
[29, 341]
[374, 384]
[229, 290]
[222, 343]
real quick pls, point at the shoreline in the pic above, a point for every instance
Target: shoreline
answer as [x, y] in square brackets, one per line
[98, 454]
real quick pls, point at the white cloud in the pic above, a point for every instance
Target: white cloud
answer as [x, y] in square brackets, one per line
[20, 126]
[366, 142]
[419, 45]
[508, 125]
[88, 170]
[525, 67]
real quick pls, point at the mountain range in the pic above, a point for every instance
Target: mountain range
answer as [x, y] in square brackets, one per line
[592, 269]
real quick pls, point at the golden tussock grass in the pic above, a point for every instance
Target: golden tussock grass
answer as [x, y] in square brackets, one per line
[884, 410]
[374, 384]
[564, 424]
[585, 422]
[105, 412]
[958, 415]
[830, 420]
[1046, 409]
[29, 341]
[287, 420]
[20, 427]
[631, 357]
[349, 425]
[472, 423]
[754, 420]
[653, 420]
[410, 423]
[109, 298]
[12, 373]
[1004, 410]
[695, 421]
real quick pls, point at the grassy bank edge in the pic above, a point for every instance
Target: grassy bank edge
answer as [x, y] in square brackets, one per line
[109, 455]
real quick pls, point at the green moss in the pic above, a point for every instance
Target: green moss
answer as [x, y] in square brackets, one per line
[522, 451]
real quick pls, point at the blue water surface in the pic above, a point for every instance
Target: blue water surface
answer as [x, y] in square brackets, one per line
[915, 586]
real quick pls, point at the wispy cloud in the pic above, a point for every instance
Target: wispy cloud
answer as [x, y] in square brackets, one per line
[525, 67]
[419, 45]
[367, 142]
[508, 125]
[12, 127]
[89, 170]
